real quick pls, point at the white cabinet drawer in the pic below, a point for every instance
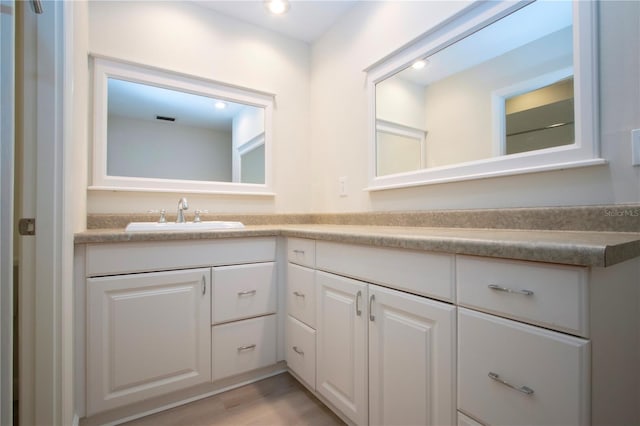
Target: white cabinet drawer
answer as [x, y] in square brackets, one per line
[243, 291]
[553, 366]
[554, 296]
[243, 346]
[301, 251]
[301, 351]
[466, 420]
[424, 273]
[123, 258]
[301, 294]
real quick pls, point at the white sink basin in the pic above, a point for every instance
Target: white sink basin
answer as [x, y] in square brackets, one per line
[186, 226]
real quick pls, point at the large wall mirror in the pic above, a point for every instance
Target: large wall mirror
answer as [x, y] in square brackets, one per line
[502, 88]
[160, 131]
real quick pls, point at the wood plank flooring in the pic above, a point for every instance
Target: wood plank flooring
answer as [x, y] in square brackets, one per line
[276, 401]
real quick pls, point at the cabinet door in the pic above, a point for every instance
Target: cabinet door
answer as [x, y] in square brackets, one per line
[341, 375]
[411, 359]
[148, 334]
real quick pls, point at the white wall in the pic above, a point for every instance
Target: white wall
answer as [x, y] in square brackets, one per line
[339, 106]
[241, 54]
[185, 37]
[146, 148]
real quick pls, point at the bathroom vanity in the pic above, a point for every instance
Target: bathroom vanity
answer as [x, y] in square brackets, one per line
[386, 325]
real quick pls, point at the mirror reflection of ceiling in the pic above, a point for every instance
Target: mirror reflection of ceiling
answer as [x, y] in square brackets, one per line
[145, 102]
[522, 27]
[454, 98]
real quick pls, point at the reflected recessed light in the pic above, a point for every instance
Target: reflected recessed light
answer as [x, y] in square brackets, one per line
[221, 105]
[277, 7]
[418, 65]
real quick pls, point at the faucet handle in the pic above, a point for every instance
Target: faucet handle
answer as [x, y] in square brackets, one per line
[196, 217]
[163, 213]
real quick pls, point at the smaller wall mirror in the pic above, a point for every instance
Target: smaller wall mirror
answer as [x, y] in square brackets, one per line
[502, 88]
[160, 131]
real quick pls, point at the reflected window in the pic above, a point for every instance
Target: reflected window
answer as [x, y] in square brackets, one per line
[539, 119]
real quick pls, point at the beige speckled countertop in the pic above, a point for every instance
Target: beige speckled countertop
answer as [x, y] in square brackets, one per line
[567, 247]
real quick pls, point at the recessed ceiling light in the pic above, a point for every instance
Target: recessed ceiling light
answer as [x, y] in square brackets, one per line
[418, 65]
[277, 7]
[220, 105]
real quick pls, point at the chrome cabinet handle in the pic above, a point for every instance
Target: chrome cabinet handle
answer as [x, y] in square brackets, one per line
[371, 300]
[246, 293]
[358, 297]
[298, 351]
[204, 285]
[295, 293]
[510, 290]
[296, 251]
[524, 389]
[246, 348]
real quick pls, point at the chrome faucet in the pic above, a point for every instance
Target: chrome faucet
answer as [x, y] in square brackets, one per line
[182, 206]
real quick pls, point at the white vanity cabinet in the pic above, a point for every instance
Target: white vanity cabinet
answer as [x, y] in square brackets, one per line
[342, 344]
[547, 344]
[383, 356]
[412, 367]
[148, 334]
[511, 370]
[164, 317]
[244, 304]
[300, 342]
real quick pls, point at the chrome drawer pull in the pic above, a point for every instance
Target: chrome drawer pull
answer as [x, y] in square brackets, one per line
[298, 251]
[524, 389]
[247, 293]
[246, 348]
[295, 293]
[371, 300]
[298, 351]
[509, 290]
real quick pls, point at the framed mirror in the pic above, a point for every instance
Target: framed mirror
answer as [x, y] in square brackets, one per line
[156, 130]
[502, 88]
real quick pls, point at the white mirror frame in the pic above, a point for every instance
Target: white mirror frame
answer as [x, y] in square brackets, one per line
[586, 150]
[105, 68]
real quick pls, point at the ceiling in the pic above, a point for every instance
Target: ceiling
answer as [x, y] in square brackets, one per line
[306, 20]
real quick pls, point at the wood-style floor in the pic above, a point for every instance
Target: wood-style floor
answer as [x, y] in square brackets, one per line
[278, 400]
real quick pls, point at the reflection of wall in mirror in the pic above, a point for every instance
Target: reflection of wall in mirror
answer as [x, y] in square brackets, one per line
[459, 110]
[397, 153]
[148, 148]
[248, 125]
[253, 166]
[400, 101]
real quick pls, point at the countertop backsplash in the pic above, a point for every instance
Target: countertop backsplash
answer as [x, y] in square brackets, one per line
[607, 218]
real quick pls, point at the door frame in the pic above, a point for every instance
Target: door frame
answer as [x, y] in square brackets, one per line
[46, 308]
[7, 139]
